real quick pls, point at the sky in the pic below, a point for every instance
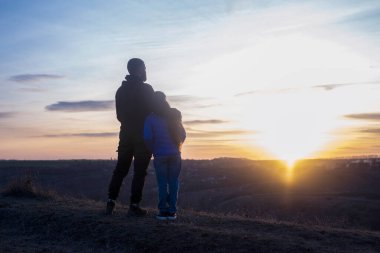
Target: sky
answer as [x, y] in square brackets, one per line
[254, 79]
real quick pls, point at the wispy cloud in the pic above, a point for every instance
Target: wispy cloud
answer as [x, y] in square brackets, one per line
[181, 98]
[371, 130]
[203, 106]
[193, 101]
[33, 77]
[268, 91]
[339, 85]
[349, 148]
[367, 19]
[82, 106]
[364, 116]
[6, 115]
[330, 86]
[95, 135]
[247, 93]
[209, 121]
[31, 89]
[220, 133]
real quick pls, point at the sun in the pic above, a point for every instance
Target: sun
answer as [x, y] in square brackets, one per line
[294, 126]
[274, 87]
[290, 162]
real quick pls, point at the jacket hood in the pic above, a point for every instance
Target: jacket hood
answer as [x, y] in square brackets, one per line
[133, 79]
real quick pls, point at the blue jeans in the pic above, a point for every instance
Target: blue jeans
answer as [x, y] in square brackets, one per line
[167, 173]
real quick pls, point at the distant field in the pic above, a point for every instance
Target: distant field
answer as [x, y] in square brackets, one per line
[340, 193]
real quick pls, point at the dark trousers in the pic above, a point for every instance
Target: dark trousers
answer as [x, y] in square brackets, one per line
[130, 146]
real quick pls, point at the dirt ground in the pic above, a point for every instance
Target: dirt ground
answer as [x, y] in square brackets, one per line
[79, 225]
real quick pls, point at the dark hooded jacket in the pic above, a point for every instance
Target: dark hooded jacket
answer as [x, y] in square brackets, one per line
[134, 102]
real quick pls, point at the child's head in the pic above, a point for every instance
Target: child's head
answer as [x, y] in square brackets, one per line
[175, 114]
[160, 105]
[172, 115]
[159, 96]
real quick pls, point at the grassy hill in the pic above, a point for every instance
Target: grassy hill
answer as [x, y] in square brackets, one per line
[32, 220]
[337, 193]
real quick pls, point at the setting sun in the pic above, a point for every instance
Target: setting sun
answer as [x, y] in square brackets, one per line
[293, 125]
[292, 115]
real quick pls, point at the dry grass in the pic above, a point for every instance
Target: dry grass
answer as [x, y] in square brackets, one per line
[79, 225]
[26, 187]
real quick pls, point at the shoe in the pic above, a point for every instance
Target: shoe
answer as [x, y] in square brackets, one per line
[162, 215]
[136, 210]
[110, 207]
[172, 216]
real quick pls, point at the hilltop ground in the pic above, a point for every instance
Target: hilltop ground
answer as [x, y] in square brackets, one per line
[58, 224]
[337, 193]
[227, 205]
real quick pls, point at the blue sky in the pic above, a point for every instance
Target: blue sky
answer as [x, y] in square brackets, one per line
[235, 69]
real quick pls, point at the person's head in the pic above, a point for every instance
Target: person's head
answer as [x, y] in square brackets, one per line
[160, 105]
[175, 114]
[172, 116]
[159, 96]
[136, 67]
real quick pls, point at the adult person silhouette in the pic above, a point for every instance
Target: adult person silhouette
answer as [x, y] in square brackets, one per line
[134, 102]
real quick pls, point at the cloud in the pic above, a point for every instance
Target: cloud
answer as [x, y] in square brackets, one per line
[206, 106]
[6, 115]
[268, 91]
[339, 85]
[365, 20]
[96, 135]
[327, 87]
[330, 86]
[193, 101]
[364, 116]
[24, 78]
[186, 99]
[181, 98]
[30, 89]
[248, 93]
[371, 131]
[209, 121]
[82, 106]
[349, 148]
[214, 134]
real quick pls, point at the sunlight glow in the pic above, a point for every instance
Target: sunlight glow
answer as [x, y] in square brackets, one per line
[290, 162]
[289, 175]
[291, 119]
[295, 127]
[278, 62]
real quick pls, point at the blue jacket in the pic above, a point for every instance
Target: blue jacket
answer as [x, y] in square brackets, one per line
[157, 137]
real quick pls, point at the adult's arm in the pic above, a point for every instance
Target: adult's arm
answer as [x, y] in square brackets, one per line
[149, 97]
[148, 133]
